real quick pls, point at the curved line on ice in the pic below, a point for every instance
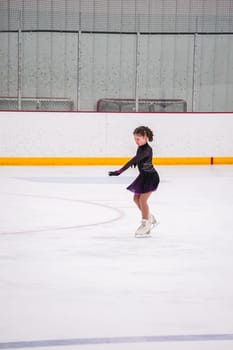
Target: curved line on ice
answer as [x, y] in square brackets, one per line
[60, 228]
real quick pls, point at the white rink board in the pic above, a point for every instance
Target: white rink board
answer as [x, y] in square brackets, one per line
[59, 134]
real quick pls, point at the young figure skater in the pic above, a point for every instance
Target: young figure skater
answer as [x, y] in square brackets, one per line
[147, 180]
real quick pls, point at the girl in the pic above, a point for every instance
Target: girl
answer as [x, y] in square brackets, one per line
[148, 179]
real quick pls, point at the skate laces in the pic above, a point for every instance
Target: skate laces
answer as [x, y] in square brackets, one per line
[143, 224]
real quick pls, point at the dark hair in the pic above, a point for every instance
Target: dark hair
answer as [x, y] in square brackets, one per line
[144, 131]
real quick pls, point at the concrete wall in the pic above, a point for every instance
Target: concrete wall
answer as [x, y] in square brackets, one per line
[173, 63]
[37, 134]
[196, 68]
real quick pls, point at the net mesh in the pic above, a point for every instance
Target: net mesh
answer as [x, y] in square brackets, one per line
[119, 16]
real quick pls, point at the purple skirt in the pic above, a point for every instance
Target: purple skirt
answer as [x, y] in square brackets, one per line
[145, 182]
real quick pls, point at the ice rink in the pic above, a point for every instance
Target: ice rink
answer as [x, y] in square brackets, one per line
[73, 276]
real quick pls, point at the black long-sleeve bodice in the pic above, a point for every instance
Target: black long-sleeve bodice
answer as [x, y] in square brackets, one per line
[143, 156]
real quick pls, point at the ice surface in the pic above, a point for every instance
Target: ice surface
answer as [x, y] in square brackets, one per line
[70, 267]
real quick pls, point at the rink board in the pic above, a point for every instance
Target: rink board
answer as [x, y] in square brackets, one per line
[88, 138]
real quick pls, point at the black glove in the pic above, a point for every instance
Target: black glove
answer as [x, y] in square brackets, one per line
[114, 173]
[133, 165]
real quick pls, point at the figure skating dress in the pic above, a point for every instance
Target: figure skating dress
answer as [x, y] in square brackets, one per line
[148, 178]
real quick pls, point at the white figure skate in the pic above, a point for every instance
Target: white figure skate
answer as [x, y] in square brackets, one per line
[144, 229]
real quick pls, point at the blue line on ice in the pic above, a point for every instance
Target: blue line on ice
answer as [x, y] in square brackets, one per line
[116, 340]
[80, 180]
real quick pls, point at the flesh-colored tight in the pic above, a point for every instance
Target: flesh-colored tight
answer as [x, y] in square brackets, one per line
[141, 202]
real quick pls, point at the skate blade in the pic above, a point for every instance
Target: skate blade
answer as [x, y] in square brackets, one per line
[146, 235]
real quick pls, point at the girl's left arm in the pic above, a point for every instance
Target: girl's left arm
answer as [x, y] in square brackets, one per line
[131, 162]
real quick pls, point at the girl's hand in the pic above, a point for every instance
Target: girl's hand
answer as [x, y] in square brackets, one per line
[114, 173]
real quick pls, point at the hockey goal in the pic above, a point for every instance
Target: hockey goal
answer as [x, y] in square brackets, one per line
[36, 103]
[144, 105]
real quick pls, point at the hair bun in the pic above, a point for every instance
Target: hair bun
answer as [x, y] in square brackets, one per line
[144, 131]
